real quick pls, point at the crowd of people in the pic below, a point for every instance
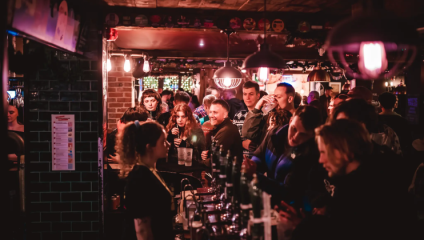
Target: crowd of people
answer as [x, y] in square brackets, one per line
[337, 167]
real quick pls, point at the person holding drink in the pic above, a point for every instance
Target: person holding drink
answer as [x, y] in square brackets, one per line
[184, 134]
[255, 124]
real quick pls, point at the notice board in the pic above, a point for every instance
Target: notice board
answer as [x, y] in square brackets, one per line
[63, 142]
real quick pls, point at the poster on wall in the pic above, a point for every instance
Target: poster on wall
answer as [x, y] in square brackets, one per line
[53, 24]
[63, 142]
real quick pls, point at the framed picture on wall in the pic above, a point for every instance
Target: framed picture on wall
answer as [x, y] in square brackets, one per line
[337, 87]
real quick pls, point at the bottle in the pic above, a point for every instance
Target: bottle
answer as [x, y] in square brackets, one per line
[222, 164]
[229, 182]
[215, 162]
[256, 199]
[245, 204]
[235, 176]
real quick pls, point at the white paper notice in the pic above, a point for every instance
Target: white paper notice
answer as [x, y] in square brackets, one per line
[63, 142]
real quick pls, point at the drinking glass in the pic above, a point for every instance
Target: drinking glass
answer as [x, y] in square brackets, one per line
[188, 157]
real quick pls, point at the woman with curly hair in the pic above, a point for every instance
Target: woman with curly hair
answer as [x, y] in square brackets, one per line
[148, 200]
[183, 131]
[278, 118]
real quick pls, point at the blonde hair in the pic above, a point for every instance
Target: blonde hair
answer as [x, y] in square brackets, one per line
[208, 99]
[349, 137]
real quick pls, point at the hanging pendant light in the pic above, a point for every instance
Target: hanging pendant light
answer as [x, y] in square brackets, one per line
[127, 64]
[228, 77]
[146, 65]
[264, 58]
[319, 75]
[376, 38]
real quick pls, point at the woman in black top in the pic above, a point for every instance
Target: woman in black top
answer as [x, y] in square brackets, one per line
[148, 201]
[183, 131]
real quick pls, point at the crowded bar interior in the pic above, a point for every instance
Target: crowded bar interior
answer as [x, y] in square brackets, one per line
[213, 119]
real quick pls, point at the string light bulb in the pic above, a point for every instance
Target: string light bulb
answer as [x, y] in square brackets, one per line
[108, 65]
[146, 65]
[386, 84]
[127, 65]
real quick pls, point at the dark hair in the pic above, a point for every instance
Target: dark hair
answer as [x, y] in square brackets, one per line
[309, 116]
[152, 93]
[281, 117]
[134, 113]
[262, 93]
[359, 110]
[195, 101]
[181, 89]
[231, 91]
[210, 89]
[182, 97]
[360, 92]
[251, 84]
[223, 104]
[166, 92]
[289, 88]
[347, 136]
[341, 96]
[387, 100]
[297, 100]
[132, 142]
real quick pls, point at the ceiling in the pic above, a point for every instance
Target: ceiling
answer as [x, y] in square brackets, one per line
[305, 6]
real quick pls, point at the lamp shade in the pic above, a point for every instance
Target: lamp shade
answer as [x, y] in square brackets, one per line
[227, 72]
[227, 77]
[319, 75]
[377, 39]
[264, 58]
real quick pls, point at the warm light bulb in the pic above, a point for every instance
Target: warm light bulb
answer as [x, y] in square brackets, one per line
[263, 74]
[386, 83]
[372, 59]
[243, 70]
[227, 82]
[302, 92]
[146, 66]
[391, 84]
[127, 65]
[201, 43]
[108, 65]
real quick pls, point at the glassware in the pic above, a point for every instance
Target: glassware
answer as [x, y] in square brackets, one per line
[267, 107]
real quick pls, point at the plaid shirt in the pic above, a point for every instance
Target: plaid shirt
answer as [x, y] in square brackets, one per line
[200, 111]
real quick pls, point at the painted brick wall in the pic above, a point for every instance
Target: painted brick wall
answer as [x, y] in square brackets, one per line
[119, 91]
[64, 204]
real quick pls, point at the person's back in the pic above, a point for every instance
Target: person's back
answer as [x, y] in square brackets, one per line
[399, 124]
[366, 185]
[235, 104]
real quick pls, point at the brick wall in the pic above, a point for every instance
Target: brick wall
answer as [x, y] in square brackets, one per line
[64, 204]
[119, 91]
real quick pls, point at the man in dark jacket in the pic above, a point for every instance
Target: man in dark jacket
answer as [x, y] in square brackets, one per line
[224, 132]
[367, 200]
[235, 104]
[250, 98]
[326, 98]
[254, 124]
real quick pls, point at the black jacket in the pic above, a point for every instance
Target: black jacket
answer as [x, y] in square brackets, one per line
[368, 203]
[235, 106]
[227, 135]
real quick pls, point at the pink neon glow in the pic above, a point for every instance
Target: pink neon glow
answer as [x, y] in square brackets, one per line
[372, 59]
